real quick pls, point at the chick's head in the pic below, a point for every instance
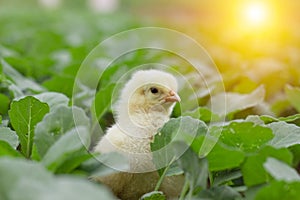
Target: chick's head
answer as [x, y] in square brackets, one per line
[149, 93]
[153, 96]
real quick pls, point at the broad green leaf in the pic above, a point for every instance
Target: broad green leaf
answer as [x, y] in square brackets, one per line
[246, 136]
[103, 101]
[73, 161]
[26, 180]
[21, 82]
[184, 129]
[203, 114]
[7, 150]
[105, 164]
[55, 84]
[53, 99]
[73, 141]
[253, 170]
[279, 190]
[236, 102]
[281, 171]
[13, 171]
[56, 123]
[219, 193]
[24, 115]
[293, 95]
[222, 158]
[155, 195]
[286, 135]
[9, 136]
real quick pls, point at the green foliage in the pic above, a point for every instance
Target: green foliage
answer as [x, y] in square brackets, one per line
[31, 181]
[9, 136]
[241, 145]
[238, 144]
[71, 144]
[57, 123]
[24, 115]
[286, 135]
[245, 136]
[293, 96]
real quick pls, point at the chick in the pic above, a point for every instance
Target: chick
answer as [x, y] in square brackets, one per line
[145, 104]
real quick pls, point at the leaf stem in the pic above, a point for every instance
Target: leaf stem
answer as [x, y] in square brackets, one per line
[184, 190]
[163, 175]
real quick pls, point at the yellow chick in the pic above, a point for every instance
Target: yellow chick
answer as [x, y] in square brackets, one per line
[145, 104]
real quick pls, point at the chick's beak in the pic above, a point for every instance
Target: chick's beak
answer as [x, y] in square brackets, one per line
[172, 97]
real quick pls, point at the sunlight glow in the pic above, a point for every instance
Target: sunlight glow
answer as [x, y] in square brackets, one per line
[256, 17]
[256, 13]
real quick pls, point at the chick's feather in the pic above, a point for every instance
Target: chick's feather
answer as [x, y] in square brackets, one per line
[145, 104]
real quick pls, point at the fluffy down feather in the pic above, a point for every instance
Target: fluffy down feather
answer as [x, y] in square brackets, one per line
[145, 104]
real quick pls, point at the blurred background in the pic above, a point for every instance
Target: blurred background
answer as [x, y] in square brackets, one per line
[252, 42]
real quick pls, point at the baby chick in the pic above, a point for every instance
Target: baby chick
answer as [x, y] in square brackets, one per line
[145, 104]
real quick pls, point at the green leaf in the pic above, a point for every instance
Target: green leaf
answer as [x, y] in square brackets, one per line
[246, 136]
[226, 176]
[253, 170]
[266, 119]
[236, 102]
[24, 115]
[75, 140]
[279, 190]
[4, 104]
[7, 150]
[103, 101]
[155, 195]
[21, 82]
[53, 99]
[184, 129]
[281, 171]
[35, 155]
[291, 118]
[55, 84]
[9, 136]
[222, 157]
[293, 95]
[26, 180]
[105, 164]
[56, 123]
[219, 193]
[174, 170]
[286, 135]
[202, 113]
[73, 161]
[296, 152]
[195, 169]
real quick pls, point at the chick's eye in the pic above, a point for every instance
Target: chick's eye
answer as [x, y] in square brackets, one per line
[154, 90]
